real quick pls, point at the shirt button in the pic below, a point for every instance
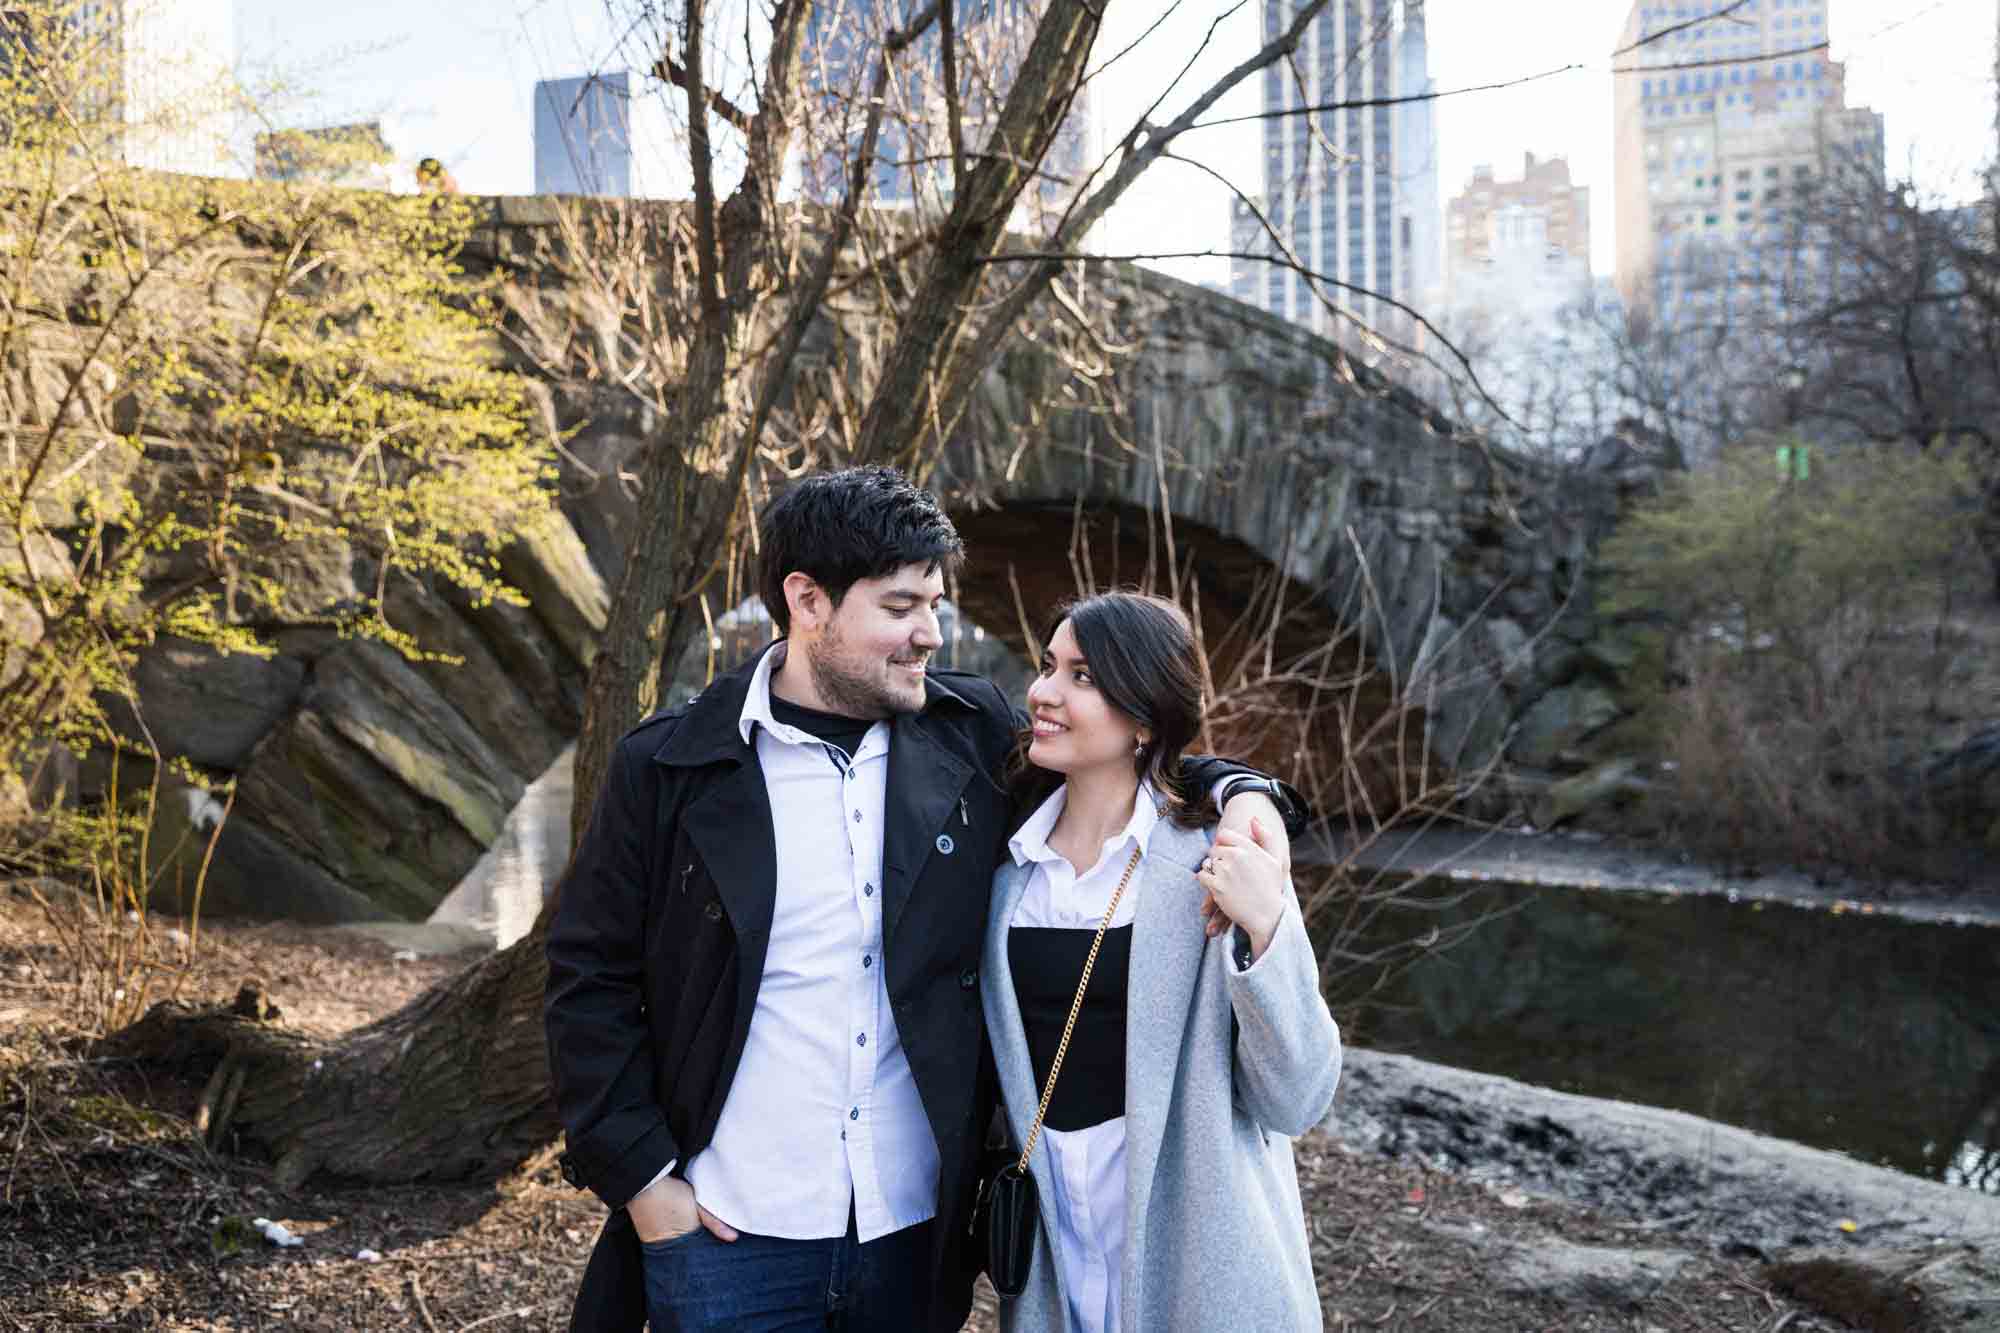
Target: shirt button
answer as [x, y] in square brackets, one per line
[857, 816]
[968, 979]
[868, 890]
[861, 1040]
[867, 960]
[854, 1113]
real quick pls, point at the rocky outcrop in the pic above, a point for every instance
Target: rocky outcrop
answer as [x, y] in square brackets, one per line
[1964, 784]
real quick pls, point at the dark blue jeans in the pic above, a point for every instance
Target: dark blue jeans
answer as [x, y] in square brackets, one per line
[766, 1284]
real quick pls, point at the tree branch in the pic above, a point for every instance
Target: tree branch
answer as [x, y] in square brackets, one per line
[953, 116]
[1684, 24]
[701, 158]
[669, 70]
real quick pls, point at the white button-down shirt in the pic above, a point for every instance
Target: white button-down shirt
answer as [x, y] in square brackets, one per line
[823, 1109]
[1089, 1164]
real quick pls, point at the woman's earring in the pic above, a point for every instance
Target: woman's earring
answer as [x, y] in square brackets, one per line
[1138, 747]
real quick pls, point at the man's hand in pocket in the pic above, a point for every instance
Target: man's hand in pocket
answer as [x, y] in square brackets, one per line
[666, 1210]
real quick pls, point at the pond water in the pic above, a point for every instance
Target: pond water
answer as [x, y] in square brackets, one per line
[1874, 1036]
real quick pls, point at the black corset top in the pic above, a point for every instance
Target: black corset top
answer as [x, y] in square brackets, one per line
[1047, 964]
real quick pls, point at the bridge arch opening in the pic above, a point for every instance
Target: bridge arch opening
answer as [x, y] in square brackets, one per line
[1293, 690]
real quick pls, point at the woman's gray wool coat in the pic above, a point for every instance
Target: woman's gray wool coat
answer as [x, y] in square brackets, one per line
[1216, 1237]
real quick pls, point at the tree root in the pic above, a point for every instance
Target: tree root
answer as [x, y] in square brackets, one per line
[218, 1103]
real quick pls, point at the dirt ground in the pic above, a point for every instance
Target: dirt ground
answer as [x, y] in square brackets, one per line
[113, 1216]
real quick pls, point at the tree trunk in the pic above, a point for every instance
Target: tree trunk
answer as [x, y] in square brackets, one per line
[454, 1085]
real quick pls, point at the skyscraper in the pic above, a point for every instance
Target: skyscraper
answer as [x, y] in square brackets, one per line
[913, 166]
[1721, 123]
[1352, 189]
[1523, 245]
[583, 135]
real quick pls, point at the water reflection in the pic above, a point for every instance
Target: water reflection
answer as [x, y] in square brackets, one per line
[1871, 1036]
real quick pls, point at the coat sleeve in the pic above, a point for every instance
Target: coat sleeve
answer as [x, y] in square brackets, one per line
[1200, 773]
[600, 1046]
[1287, 1061]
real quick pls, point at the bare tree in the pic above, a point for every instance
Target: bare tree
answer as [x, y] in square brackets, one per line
[456, 1083]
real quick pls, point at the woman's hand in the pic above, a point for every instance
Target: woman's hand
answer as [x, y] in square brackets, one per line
[1246, 883]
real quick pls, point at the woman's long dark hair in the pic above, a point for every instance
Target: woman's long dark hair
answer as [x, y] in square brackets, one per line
[1143, 659]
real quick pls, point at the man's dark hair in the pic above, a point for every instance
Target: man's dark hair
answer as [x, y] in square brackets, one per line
[1145, 662]
[838, 528]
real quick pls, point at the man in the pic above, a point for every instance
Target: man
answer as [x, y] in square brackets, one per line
[763, 1006]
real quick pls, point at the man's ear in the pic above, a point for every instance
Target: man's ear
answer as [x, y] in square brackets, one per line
[806, 601]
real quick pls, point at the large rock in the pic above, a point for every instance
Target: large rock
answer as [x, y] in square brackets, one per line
[1574, 1275]
[332, 806]
[1559, 720]
[378, 702]
[1612, 780]
[550, 564]
[208, 706]
[1964, 783]
[477, 683]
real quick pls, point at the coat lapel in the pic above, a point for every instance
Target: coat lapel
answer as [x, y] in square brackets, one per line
[924, 786]
[1019, 1093]
[1167, 945]
[730, 827]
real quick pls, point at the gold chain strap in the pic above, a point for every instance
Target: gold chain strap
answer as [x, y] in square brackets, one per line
[1075, 1008]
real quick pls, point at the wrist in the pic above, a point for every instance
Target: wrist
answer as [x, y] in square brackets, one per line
[1238, 784]
[1263, 930]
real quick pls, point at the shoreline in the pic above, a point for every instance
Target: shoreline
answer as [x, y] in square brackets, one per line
[1567, 861]
[1736, 1189]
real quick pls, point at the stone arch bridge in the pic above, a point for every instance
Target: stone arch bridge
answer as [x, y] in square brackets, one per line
[370, 786]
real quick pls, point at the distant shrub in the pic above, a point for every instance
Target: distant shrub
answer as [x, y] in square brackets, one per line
[1807, 624]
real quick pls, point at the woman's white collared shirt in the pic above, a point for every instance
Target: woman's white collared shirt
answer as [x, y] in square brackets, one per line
[1089, 1164]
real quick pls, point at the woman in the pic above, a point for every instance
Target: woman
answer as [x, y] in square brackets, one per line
[1164, 1166]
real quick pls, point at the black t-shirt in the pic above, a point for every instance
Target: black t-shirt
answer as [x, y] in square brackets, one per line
[830, 728]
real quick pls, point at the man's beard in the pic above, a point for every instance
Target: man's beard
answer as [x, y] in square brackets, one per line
[850, 693]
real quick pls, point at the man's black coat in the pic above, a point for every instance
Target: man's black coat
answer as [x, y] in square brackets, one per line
[657, 949]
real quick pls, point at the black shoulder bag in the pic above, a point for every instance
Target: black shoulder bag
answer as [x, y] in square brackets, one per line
[1006, 1207]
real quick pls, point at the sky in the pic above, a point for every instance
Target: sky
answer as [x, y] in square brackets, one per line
[454, 78]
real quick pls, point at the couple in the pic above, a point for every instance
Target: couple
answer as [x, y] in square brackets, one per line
[771, 971]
